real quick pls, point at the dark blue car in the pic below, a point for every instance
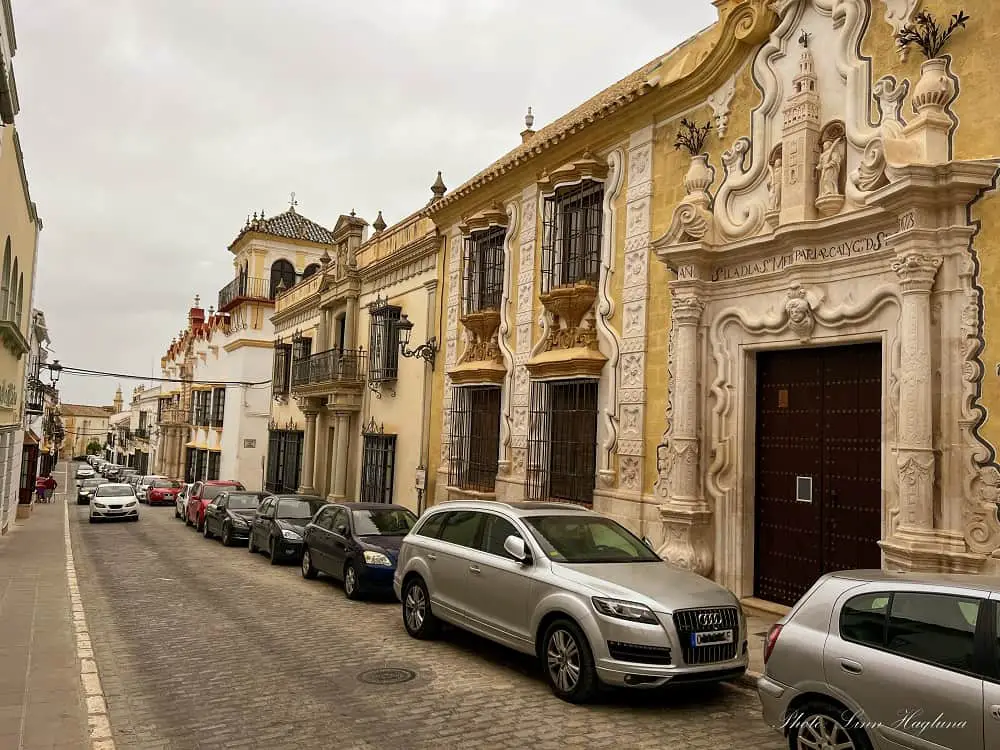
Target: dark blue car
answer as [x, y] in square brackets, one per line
[357, 543]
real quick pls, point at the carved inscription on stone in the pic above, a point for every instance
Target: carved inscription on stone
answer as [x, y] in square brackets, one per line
[801, 256]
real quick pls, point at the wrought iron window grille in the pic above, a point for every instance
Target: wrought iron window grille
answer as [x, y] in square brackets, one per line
[383, 346]
[572, 223]
[281, 374]
[562, 441]
[475, 438]
[378, 467]
[482, 282]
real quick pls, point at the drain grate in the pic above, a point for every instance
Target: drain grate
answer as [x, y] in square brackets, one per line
[387, 676]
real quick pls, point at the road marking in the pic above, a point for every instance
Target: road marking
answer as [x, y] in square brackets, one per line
[98, 724]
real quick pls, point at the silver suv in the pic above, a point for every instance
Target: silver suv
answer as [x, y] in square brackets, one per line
[868, 659]
[575, 589]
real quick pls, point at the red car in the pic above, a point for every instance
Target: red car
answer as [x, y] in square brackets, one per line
[202, 493]
[163, 491]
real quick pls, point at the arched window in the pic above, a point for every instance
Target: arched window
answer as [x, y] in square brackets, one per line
[12, 292]
[310, 270]
[5, 281]
[244, 278]
[20, 300]
[282, 274]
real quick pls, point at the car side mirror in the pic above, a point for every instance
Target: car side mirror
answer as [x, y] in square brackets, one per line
[516, 548]
[645, 540]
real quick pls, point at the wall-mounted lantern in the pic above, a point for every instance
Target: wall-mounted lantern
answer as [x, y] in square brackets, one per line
[427, 352]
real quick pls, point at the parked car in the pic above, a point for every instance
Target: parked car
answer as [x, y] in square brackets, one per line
[278, 524]
[180, 504]
[591, 600]
[84, 472]
[126, 475]
[201, 494]
[112, 472]
[229, 516]
[163, 492]
[869, 659]
[114, 501]
[144, 484]
[357, 543]
[86, 489]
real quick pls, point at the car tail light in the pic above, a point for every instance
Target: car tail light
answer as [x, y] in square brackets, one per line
[772, 639]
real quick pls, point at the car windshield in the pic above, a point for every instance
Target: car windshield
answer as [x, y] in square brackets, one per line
[92, 482]
[588, 539]
[212, 491]
[292, 507]
[165, 484]
[114, 492]
[244, 502]
[391, 521]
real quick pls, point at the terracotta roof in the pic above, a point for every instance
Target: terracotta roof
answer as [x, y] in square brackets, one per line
[290, 224]
[82, 410]
[610, 100]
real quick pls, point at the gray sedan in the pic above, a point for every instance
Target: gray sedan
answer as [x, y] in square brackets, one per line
[591, 600]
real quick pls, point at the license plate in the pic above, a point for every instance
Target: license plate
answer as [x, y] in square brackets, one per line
[712, 638]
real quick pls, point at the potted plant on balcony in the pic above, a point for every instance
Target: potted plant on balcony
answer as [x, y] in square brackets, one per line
[935, 89]
[692, 137]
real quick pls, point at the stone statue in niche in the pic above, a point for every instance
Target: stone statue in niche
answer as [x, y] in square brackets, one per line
[773, 185]
[830, 168]
[800, 314]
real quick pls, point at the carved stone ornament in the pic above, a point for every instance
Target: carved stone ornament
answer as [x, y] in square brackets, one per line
[568, 306]
[897, 14]
[692, 219]
[587, 167]
[935, 90]
[484, 347]
[720, 102]
[799, 311]
[916, 271]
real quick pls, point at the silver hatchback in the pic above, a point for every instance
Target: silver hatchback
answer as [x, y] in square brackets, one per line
[575, 589]
[869, 659]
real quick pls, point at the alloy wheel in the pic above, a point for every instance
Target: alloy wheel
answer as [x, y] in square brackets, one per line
[305, 562]
[416, 607]
[350, 581]
[227, 535]
[563, 660]
[822, 732]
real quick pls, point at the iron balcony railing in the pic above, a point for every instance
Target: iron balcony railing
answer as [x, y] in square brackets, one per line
[244, 288]
[142, 433]
[332, 366]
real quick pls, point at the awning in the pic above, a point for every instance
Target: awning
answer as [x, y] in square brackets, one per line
[30, 438]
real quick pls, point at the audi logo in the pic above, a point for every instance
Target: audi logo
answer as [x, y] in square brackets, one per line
[709, 619]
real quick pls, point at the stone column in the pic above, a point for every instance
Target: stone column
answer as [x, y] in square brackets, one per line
[322, 342]
[351, 323]
[685, 515]
[340, 459]
[915, 441]
[306, 485]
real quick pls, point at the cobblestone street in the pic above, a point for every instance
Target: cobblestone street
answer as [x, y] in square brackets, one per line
[200, 646]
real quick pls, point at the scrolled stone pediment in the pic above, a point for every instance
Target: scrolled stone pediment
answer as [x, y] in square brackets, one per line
[494, 216]
[587, 167]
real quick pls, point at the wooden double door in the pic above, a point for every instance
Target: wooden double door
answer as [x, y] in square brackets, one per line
[818, 502]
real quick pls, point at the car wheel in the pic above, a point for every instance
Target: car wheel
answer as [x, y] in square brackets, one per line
[227, 535]
[272, 553]
[418, 619]
[308, 571]
[204, 530]
[199, 524]
[251, 547]
[568, 663]
[177, 514]
[352, 586]
[91, 519]
[822, 724]
[187, 520]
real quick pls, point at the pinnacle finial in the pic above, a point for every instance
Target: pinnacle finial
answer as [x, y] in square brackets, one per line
[529, 119]
[352, 212]
[804, 39]
[379, 223]
[293, 203]
[438, 188]
[325, 258]
[197, 300]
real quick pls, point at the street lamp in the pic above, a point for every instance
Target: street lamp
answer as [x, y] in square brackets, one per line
[55, 370]
[427, 352]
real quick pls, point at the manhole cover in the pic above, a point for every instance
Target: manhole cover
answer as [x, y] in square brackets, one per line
[387, 676]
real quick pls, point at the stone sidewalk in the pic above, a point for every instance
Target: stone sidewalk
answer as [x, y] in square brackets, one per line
[41, 700]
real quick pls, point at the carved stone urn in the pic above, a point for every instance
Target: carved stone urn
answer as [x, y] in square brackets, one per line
[935, 89]
[699, 177]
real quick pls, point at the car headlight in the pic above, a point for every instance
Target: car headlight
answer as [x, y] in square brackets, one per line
[625, 610]
[98, 505]
[291, 535]
[377, 558]
[237, 521]
[131, 503]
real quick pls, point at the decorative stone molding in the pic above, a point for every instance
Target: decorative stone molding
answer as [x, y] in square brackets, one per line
[507, 394]
[898, 13]
[693, 219]
[587, 167]
[720, 102]
[454, 265]
[567, 307]
[916, 271]
[494, 216]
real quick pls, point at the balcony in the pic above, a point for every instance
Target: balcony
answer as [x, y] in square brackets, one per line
[175, 415]
[324, 371]
[242, 289]
[141, 433]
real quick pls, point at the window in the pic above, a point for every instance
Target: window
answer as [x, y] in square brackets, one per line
[218, 406]
[475, 438]
[934, 628]
[201, 464]
[284, 454]
[311, 270]
[281, 375]
[495, 533]
[338, 520]
[19, 310]
[12, 291]
[214, 458]
[324, 518]
[5, 280]
[190, 461]
[863, 619]
[378, 466]
[571, 246]
[484, 261]
[562, 441]
[432, 526]
[462, 527]
[282, 275]
[383, 342]
[341, 332]
[301, 349]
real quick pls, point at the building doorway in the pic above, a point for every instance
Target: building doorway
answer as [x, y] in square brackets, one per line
[818, 498]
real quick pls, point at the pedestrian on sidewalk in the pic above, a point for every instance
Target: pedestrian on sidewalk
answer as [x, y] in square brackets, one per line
[45, 486]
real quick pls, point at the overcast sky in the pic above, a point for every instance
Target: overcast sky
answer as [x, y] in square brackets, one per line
[151, 128]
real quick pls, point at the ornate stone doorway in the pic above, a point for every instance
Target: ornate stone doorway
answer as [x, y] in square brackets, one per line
[818, 472]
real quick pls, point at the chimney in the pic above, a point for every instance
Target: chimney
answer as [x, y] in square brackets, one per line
[529, 120]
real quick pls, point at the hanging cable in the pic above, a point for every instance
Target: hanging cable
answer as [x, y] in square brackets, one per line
[124, 376]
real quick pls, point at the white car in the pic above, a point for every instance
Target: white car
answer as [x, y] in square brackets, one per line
[84, 472]
[111, 501]
[180, 505]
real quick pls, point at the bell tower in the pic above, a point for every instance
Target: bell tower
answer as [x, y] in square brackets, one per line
[800, 141]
